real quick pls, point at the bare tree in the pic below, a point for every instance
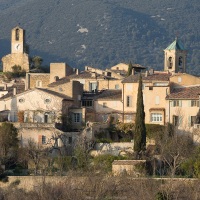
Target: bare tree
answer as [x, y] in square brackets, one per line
[174, 149]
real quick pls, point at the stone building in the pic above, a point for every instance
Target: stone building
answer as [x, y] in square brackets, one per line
[175, 57]
[18, 55]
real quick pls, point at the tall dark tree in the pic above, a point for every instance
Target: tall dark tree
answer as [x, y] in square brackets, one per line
[130, 68]
[140, 129]
[8, 143]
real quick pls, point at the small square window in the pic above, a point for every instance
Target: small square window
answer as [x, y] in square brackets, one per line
[43, 139]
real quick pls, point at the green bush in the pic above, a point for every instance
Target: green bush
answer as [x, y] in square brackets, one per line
[104, 140]
[104, 162]
[154, 131]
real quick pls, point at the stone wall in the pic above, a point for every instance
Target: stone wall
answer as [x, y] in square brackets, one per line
[33, 79]
[20, 59]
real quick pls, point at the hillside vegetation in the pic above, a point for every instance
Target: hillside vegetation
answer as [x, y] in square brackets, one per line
[102, 33]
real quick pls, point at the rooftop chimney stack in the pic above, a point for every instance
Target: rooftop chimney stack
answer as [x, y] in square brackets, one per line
[14, 91]
[5, 87]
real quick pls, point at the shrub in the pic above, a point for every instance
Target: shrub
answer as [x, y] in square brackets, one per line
[154, 131]
[104, 162]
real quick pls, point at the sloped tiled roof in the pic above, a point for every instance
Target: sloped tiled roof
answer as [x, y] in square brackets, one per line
[55, 93]
[109, 95]
[149, 77]
[20, 88]
[88, 75]
[176, 45]
[59, 82]
[185, 93]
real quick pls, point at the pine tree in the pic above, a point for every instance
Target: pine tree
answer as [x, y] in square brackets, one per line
[140, 129]
[130, 68]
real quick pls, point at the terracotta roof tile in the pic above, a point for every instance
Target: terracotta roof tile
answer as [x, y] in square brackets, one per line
[185, 93]
[149, 77]
[110, 95]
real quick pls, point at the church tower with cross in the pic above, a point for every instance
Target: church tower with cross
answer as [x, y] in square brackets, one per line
[18, 56]
[175, 57]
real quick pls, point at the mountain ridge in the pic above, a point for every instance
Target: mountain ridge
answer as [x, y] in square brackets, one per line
[103, 33]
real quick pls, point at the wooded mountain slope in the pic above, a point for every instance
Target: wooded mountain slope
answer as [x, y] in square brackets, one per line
[102, 33]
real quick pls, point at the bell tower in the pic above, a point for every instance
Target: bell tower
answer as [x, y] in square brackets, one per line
[17, 40]
[18, 55]
[175, 57]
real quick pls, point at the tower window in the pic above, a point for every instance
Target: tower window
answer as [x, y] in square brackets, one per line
[17, 34]
[170, 63]
[180, 63]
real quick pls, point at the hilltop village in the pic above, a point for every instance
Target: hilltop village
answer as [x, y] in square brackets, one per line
[70, 103]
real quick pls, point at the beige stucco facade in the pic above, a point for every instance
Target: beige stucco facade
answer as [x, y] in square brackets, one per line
[183, 79]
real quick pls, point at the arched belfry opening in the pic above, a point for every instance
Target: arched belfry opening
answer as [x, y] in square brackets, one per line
[175, 57]
[17, 34]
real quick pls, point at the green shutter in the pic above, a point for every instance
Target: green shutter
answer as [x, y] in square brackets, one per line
[189, 120]
[189, 103]
[180, 103]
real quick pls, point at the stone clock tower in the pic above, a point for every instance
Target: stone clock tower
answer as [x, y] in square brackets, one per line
[18, 55]
[175, 57]
[17, 40]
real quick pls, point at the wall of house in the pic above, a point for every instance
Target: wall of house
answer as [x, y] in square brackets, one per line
[120, 66]
[104, 108]
[26, 101]
[184, 80]
[40, 80]
[154, 102]
[185, 111]
[20, 59]
[59, 70]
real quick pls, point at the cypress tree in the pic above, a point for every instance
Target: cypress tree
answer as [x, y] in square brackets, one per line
[140, 129]
[130, 68]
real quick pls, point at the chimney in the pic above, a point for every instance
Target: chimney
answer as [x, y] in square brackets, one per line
[146, 73]
[133, 71]
[94, 74]
[14, 91]
[77, 71]
[5, 87]
[86, 68]
[151, 71]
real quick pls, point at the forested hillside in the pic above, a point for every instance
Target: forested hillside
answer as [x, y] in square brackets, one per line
[102, 33]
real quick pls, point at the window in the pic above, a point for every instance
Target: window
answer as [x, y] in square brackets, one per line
[177, 120]
[157, 101]
[150, 87]
[129, 118]
[43, 139]
[105, 105]
[179, 79]
[21, 100]
[117, 87]
[192, 120]
[93, 87]
[105, 118]
[38, 83]
[77, 117]
[17, 34]
[87, 103]
[194, 103]
[129, 101]
[170, 63]
[180, 62]
[143, 86]
[176, 103]
[46, 101]
[156, 117]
